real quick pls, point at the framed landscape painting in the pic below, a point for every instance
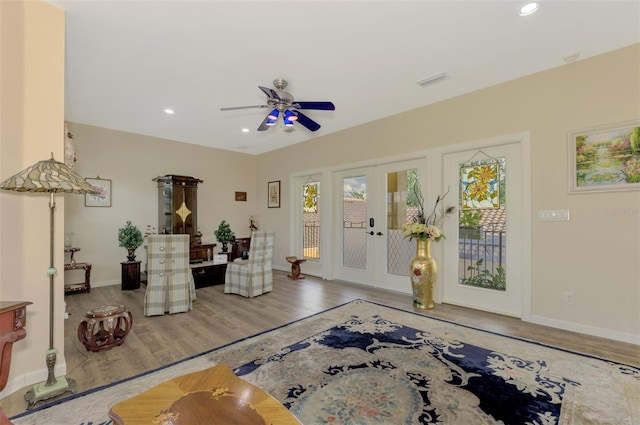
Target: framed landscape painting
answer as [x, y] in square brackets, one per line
[605, 158]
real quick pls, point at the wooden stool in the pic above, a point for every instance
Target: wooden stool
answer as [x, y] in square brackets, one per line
[105, 327]
[295, 267]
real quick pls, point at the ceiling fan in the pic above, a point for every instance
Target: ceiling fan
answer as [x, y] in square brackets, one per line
[282, 104]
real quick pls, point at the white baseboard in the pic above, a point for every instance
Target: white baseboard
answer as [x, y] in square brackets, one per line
[31, 378]
[105, 283]
[589, 330]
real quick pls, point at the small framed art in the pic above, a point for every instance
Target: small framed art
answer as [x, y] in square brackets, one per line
[273, 194]
[241, 196]
[103, 198]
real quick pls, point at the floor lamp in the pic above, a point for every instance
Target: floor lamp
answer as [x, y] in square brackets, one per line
[49, 176]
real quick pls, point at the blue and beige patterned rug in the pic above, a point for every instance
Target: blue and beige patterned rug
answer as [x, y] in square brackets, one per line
[364, 363]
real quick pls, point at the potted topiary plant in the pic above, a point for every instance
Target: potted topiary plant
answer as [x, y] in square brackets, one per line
[130, 237]
[224, 234]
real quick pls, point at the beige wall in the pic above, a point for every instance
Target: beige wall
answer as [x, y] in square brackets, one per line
[131, 161]
[596, 254]
[31, 127]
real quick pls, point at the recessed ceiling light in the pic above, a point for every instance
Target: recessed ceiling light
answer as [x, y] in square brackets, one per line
[245, 130]
[169, 111]
[528, 9]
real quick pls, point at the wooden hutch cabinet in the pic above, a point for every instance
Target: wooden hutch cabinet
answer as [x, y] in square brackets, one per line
[178, 214]
[178, 205]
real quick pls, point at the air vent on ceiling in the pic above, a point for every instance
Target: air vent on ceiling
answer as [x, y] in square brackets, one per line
[431, 79]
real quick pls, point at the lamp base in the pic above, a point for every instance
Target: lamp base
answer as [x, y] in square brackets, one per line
[41, 392]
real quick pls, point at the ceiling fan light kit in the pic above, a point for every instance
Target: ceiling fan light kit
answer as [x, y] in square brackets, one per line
[291, 116]
[283, 104]
[273, 115]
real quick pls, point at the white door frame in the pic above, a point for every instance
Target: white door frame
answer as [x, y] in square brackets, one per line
[434, 179]
[523, 243]
[322, 267]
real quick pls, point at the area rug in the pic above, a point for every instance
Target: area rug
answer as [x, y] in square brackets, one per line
[365, 363]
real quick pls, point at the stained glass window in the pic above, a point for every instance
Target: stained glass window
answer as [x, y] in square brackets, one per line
[480, 186]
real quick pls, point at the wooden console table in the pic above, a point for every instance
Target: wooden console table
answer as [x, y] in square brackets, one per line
[202, 252]
[82, 286]
[212, 396]
[208, 273]
[13, 319]
[72, 265]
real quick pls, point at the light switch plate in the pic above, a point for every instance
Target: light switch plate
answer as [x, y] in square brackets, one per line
[553, 215]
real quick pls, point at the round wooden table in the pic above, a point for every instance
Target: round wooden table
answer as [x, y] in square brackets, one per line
[213, 396]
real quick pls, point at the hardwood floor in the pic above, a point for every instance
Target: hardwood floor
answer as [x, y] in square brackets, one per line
[218, 319]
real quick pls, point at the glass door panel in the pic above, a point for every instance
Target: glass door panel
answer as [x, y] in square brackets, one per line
[482, 236]
[375, 203]
[483, 265]
[354, 222]
[311, 220]
[398, 205]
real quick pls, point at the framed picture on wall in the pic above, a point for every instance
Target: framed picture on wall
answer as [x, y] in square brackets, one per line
[606, 158]
[103, 198]
[273, 194]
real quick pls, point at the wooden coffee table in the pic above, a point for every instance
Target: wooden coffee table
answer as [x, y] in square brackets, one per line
[208, 397]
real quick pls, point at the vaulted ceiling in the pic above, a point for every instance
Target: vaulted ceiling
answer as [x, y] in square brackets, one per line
[127, 61]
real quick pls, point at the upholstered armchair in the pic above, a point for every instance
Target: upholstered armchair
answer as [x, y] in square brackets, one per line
[170, 284]
[253, 276]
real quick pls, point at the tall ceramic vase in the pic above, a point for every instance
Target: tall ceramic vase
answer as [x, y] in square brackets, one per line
[423, 275]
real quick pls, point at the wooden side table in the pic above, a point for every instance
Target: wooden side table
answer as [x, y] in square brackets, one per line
[130, 275]
[79, 287]
[13, 319]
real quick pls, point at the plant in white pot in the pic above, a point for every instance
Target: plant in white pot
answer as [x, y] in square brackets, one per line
[224, 234]
[130, 238]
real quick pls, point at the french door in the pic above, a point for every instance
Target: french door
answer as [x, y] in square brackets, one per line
[486, 242]
[308, 222]
[372, 204]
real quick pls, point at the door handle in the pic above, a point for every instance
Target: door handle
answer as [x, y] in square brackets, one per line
[371, 232]
[379, 233]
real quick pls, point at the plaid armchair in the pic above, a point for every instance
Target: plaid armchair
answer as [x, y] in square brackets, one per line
[253, 276]
[170, 285]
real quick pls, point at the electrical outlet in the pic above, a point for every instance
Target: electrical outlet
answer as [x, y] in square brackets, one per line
[569, 298]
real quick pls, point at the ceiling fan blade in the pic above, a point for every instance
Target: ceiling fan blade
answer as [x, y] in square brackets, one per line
[323, 106]
[233, 108]
[307, 122]
[264, 125]
[271, 93]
